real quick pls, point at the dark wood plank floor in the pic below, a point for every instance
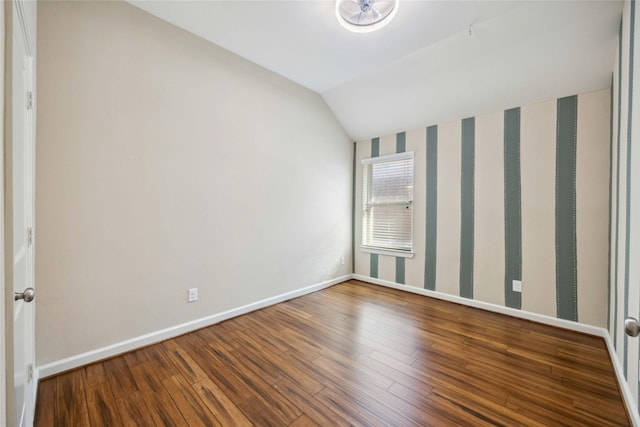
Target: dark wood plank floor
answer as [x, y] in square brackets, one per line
[353, 354]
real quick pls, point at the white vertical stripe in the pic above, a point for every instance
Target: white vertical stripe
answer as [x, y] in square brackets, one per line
[387, 145]
[387, 268]
[414, 267]
[537, 160]
[449, 176]
[592, 205]
[488, 268]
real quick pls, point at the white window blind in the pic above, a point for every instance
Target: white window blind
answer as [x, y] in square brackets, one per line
[387, 208]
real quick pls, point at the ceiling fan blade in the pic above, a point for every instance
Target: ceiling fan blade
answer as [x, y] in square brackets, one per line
[356, 18]
[375, 13]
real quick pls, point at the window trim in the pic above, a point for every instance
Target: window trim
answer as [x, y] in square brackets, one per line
[388, 158]
[381, 250]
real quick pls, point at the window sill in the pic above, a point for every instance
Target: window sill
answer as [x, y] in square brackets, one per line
[392, 252]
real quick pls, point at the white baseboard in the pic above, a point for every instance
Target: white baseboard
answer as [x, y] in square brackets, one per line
[540, 318]
[632, 407]
[76, 361]
[154, 337]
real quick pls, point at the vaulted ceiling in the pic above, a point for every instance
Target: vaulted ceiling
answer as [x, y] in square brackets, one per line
[436, 61]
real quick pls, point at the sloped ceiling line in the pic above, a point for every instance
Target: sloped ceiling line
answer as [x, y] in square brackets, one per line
[423, 67]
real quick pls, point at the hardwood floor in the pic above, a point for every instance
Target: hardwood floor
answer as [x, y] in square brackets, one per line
[353, 354]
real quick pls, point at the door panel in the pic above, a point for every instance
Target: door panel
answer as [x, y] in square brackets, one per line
[22, 219]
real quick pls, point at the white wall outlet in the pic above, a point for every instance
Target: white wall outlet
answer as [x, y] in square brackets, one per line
[342, 260]
[193, 294]
[517, 286]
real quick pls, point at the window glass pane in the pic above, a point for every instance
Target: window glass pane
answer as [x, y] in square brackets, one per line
[392, 181]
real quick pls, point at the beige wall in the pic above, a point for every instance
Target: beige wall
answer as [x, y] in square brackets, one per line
[538, 187]
[165, 163]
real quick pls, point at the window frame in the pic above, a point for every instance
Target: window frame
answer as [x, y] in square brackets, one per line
[365, 198]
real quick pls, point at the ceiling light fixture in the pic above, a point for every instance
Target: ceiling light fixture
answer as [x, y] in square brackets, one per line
[363, 16]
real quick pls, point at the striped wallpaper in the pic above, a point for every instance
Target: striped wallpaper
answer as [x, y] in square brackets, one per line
[624, 202]
[519, 194]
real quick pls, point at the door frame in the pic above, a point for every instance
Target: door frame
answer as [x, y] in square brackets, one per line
[6, 395]
[3, 290]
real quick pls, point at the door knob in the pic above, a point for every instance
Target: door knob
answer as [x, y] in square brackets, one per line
[631, 326]
[28, 295]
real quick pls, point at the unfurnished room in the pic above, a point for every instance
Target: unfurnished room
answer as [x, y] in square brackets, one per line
[319, 212]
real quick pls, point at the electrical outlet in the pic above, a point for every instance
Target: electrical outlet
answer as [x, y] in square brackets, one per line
[342, 260]
[193, 294]
[517, 286]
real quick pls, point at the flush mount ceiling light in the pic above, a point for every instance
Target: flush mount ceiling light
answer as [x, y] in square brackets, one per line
[363, 16]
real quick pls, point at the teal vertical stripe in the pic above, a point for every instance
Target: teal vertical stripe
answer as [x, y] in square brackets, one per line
[628, 201]
[373, 262]
[400, 270]
[566, 256]
[401, 147]
[615, 279]
[610, 204]
[401, 142]
[467, 205]
[512, 207]
[432, 209]
[373, 266]
[375, 147]
[353, 212]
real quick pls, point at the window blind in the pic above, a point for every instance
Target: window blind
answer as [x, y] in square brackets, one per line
[387, 209]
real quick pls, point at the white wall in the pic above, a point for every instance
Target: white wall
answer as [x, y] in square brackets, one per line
[165, 163]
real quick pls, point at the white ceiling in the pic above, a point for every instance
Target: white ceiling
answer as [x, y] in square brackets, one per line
[424, 67]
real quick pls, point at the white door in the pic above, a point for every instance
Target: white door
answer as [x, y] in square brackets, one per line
[21, 222]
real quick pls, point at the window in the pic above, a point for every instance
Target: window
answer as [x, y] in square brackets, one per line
[387, 204]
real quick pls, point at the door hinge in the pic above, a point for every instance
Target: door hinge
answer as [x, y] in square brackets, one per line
[30, 235]
[30, 372]
[29, 100]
